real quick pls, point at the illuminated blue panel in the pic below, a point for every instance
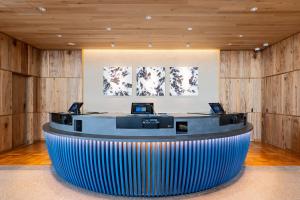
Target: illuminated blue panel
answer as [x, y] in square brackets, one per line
[147, 168]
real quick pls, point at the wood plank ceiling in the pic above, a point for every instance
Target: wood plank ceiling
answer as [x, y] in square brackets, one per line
[216, 24]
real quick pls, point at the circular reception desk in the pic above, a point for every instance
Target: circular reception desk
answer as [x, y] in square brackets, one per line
[147, 155]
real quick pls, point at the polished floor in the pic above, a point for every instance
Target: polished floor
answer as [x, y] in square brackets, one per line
[259, 155]
[255, 183]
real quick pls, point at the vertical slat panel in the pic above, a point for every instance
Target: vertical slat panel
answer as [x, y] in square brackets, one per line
[147, 168]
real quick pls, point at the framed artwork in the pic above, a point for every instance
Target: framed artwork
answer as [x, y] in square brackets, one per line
[117, 81]
[184, 81]
[150, 81]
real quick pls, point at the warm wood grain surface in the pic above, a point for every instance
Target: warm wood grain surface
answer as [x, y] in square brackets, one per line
[215, 23]
[259, 155]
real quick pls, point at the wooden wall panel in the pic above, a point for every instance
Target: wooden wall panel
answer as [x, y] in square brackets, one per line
[296, 61]
[31, 94]
[269, 60]
[18, 129]
[295, 134]
[34, 61]
[296, 91]
[42, 119]
[5, 92]
[61, 63]
[32, 127]
[5, 133]
[253, 65]
[241, 95]
[57, 94]
[24, 58]
[282, 131]
[256, 120]
[240, 64]
[284, 55]
[18, 94]
[15, 55]
[4, 40]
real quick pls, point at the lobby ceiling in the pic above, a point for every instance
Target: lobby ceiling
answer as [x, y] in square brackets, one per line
[155, 24]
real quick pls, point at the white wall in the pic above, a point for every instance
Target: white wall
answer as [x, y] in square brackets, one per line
[95, 60]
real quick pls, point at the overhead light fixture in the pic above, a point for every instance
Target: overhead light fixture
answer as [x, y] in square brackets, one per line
[229, 44]
[241, 35]
[71, 44]
[113, 45]
[266, 44]
[253, 9]
[41, 9]
[150, 45]
[148, 17]
[59, 35]
[189, 29]
[257, 49]
[188, 45]
[108, 28]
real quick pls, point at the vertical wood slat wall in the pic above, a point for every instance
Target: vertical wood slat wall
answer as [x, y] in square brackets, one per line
[267, 88]
[60, 82]
[19, 64]
[241, 86]
[33, 83]
[281, 97]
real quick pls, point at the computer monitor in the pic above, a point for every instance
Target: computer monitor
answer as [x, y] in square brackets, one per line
[142, 108]
[217, 108]
[75, 108]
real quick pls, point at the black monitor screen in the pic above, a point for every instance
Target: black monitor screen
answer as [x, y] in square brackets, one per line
[217, 108]
[142, 108]
[75, 107]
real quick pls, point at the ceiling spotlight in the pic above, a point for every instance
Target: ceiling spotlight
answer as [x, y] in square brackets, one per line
[150, 45]
[229, 44]
[266, 44]
[189, 29]
[71, 44]
[108, 28]
[241, 36]
[41, 9]
[148, 17]
[257, 49]
[59, 35]
[188, 45]
[254, 9]
[113, 45]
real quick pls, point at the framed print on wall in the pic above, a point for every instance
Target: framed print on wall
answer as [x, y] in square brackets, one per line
[150, 81]
[117, 81]
[184, 81]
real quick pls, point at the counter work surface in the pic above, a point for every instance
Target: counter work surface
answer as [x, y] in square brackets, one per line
[157, 127]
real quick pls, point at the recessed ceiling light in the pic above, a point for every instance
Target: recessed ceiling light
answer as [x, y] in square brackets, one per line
[41, 9]
[189, 29]
[150, 45]
[253, 9]
[71, 44]
[229, 44]
[266, 44]
[108, 28]
[188, 45]
[59, 35]
[241, 36]
[148, 17]
[257, 49]
[113, 45]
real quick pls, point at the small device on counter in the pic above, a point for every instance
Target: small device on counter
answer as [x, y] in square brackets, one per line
[142, 108]
[216, 108]
[233, 118]
[144, 122]
[75, 108]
